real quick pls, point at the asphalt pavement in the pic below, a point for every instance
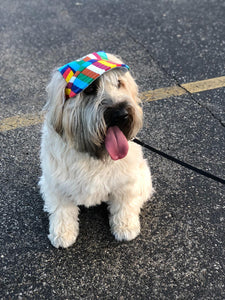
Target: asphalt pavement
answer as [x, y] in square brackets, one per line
[180, 251]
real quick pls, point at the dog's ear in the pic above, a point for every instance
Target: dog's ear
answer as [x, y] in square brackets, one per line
[56, 100]
[130, 83]
[133, 87]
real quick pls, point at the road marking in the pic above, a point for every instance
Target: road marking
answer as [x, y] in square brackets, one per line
[20, 121]
[26, 120]
[192, 87]
[163, 93]
[204, 85]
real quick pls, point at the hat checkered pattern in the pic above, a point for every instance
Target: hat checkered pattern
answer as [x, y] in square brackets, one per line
[81, 73]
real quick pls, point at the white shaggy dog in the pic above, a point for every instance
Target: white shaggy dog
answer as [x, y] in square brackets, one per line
[88, 157]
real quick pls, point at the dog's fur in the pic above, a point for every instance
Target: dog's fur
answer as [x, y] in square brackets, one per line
[77, 169]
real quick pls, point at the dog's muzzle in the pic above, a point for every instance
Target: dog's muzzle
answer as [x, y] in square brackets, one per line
[119, 115]
[118, 120]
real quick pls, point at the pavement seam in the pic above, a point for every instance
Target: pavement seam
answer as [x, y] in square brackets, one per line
[202, 105]
[155, 60]
[179, 85]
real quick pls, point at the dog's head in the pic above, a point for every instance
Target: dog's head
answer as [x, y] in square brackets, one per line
[101, 118]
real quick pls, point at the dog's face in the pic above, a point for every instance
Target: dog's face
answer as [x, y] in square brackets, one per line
[100, 119]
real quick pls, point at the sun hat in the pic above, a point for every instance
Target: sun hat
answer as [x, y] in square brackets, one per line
[79, 74]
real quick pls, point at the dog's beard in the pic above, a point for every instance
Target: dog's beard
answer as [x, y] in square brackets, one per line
[84, 126]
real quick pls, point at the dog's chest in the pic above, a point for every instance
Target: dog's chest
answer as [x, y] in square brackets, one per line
[90, 184]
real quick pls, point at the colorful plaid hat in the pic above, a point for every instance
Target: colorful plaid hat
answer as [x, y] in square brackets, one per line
[81, 73]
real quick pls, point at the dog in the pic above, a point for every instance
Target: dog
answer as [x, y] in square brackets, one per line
[87, 154]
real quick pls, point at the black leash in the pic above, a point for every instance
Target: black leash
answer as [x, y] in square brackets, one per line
[186, 165]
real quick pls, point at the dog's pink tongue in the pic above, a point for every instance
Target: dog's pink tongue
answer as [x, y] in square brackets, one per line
[116, 143]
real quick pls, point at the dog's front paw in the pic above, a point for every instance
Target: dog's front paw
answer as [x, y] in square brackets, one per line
[63, 240]
[125, 229]
[63, 229]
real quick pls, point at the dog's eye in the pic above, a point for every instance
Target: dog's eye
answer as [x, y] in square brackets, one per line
[91, 89]
[120, 83]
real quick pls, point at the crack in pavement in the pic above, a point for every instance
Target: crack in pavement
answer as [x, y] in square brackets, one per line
[178, 84]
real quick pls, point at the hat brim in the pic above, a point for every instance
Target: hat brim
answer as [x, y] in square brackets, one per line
[82, 73]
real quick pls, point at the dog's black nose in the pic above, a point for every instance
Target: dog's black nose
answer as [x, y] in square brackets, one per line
[119, 114]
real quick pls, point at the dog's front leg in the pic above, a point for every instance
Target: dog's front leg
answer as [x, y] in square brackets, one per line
[124, 217]
[63, 225]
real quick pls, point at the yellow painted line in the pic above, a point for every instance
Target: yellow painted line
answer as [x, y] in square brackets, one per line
[204, 85]
[192, 87]
[162, 93]
[20, 121]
